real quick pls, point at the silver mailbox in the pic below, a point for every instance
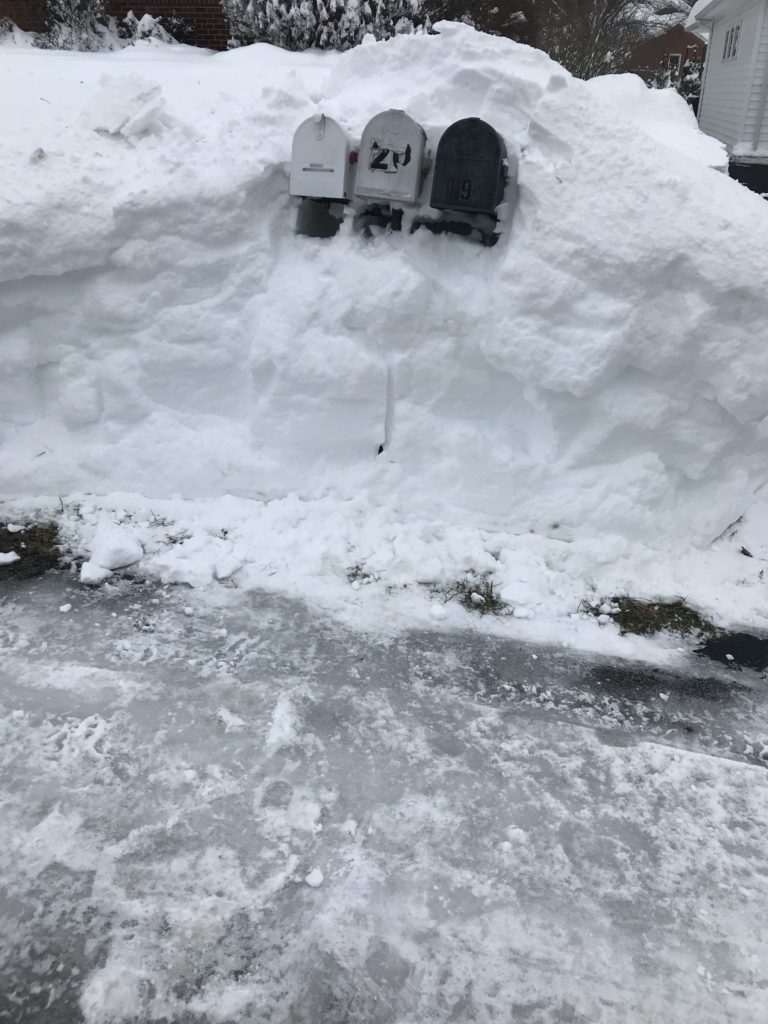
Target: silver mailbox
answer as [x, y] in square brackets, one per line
[390, 165]
[320, 160]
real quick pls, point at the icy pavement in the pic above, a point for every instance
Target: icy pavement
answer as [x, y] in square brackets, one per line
[250, 813]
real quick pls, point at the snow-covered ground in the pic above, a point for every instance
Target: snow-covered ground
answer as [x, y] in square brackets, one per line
[577, 412]
[249, 813]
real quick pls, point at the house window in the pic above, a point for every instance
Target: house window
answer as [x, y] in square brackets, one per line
[731, 44]
[673, 62]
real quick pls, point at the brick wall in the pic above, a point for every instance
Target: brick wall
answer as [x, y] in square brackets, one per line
[203, 18]
[27, 14]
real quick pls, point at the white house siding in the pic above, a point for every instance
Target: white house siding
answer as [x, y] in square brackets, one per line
[729, 83]
[756, 124]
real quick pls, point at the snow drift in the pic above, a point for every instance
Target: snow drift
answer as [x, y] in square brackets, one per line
[600, 371]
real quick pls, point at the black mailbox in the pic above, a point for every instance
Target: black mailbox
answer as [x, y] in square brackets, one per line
[470, 168]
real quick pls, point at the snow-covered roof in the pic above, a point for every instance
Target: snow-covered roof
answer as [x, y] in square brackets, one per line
[661, 23]
[699, 15]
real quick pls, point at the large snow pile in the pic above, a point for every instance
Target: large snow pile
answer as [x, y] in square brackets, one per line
[660, 113]
[566, 409]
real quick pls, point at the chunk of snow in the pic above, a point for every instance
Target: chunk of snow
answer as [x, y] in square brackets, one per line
[115, 547]
[314, 878]
[129, 106]
[230, 721]
[283, 727]
[65, 607]
[7, 557]
[226, 566]
[93, 574]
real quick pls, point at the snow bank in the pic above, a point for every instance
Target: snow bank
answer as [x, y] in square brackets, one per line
[661, 113]
[597, 378]
[12, 35]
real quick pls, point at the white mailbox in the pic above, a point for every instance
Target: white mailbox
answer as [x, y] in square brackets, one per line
[391, 160]
[320, 160]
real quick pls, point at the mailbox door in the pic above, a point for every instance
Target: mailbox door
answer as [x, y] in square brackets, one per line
[391, 158]
[469, 168]
[320, 167]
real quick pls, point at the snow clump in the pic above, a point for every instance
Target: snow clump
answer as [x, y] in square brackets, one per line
[113, 547]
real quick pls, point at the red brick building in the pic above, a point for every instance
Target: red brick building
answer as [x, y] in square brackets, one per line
[667, 52]
[198, 22]
[27, 14]
[202, 21]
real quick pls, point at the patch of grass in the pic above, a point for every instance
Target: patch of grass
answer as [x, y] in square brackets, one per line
[644, 618]
[37, 544]
[476, 594]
